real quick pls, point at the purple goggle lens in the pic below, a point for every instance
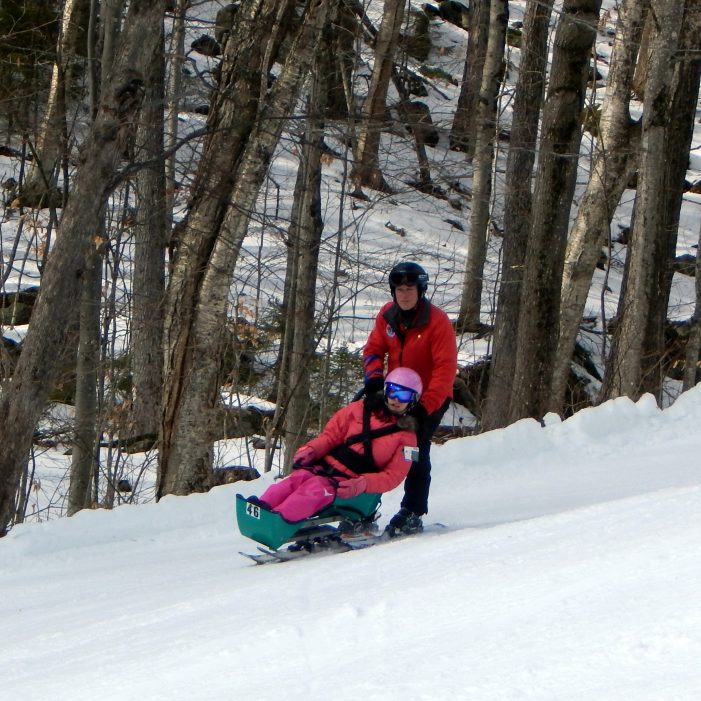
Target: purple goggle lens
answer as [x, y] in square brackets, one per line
[399, 393]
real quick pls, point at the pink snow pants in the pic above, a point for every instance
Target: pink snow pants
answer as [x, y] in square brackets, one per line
[300, 495]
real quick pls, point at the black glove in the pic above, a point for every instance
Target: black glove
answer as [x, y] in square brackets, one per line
[374, 384]
[419, 412]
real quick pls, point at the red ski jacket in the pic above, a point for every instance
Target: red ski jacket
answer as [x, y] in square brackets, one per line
[427, 346]
[392, 453]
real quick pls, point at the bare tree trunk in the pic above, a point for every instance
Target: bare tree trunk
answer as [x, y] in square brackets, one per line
[39, 189]
[517, 208]
[485, 136]
[232, 117]
[282, 369]
[615, 161]
[624, 370]
[150, 236]
[683, 97]
[22, 402]
[641, 67]
[339, 62]
[85, 439]
[93, 63]
[366, 169]
[110, 15]
[192, 387]
[424, 182]
[554, 189]
[462, 133]
[693, 344]
[305, 230]
[292, 395]
[173, 97]
[399, 72]
[691, 34]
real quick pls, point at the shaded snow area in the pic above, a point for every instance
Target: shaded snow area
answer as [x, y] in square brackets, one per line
[569, 569]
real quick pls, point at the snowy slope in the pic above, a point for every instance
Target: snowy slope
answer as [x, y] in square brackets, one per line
[570, 570]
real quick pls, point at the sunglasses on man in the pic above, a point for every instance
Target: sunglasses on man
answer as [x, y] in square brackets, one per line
[403, 278]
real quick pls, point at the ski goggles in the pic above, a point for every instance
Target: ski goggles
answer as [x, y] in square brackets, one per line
[401, 394]
[403, 278]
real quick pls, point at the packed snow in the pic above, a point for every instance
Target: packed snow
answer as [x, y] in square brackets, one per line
[568, 569]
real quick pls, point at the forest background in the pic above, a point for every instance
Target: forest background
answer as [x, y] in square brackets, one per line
[203, 202]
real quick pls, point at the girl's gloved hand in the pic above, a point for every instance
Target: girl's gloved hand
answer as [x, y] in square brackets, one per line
[305, 456]
[351, 487]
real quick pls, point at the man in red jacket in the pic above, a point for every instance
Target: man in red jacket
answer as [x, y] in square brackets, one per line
[412, 332]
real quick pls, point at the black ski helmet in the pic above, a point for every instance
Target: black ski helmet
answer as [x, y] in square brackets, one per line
[408, 273]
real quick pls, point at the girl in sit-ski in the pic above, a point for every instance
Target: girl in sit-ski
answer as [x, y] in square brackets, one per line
[367, 446]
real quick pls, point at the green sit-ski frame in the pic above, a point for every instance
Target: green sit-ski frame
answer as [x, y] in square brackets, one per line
[272, 530]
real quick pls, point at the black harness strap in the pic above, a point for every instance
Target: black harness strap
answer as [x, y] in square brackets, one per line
[377, 433]
[352, 460]
[362, 462]
[367, 441]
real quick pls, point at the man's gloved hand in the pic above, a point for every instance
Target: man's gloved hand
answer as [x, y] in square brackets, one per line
[351, 487]
[419, 412]
[305, 456]
[374, 384]
[371, 387]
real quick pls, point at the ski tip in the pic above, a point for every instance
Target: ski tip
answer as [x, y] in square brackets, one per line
[258, 558]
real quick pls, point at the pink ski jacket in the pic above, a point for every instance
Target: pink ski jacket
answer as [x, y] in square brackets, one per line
[391, 453]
